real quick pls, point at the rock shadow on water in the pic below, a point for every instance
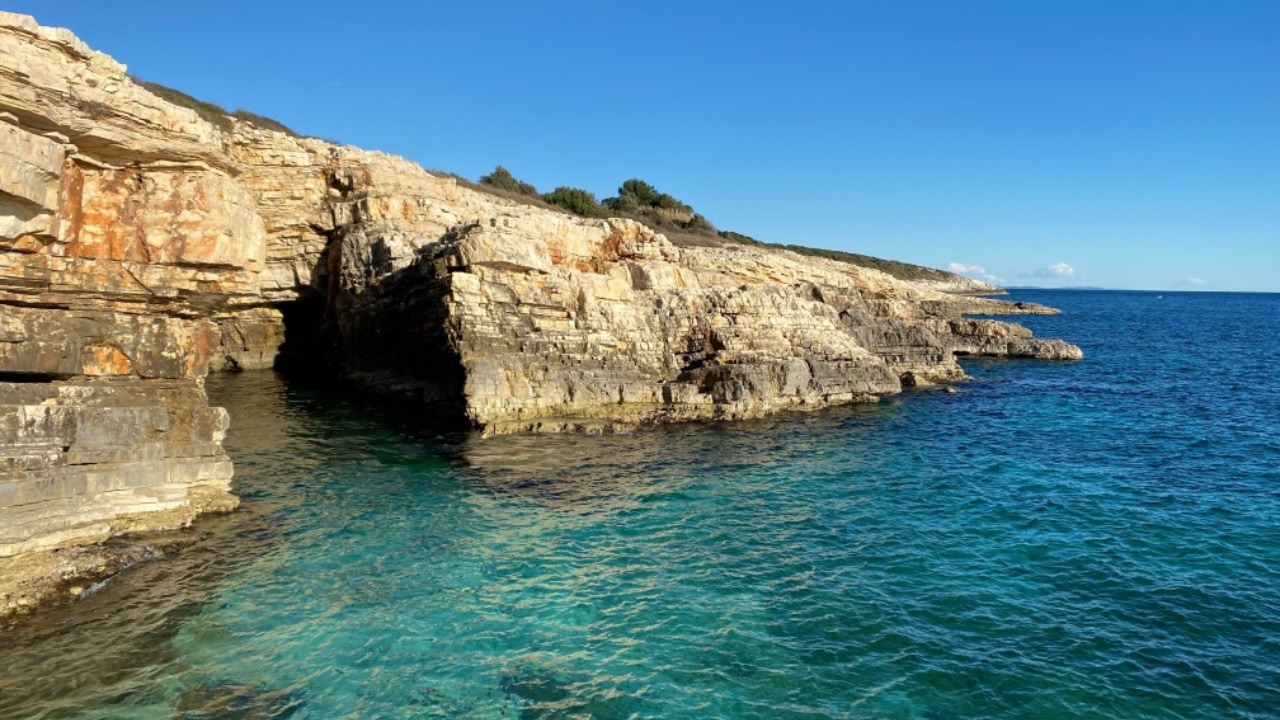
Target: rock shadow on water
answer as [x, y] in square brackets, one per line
[228, 700]
[544, 695]
[556, 470]
[568, 471]
[604, 471]
[96, 650]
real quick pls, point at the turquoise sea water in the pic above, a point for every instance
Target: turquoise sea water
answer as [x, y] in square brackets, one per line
[1056, 540]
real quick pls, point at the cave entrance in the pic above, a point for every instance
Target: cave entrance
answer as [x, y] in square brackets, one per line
[391, 361]
[304, 350]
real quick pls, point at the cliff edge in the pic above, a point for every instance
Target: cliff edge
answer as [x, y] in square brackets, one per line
[143, 243]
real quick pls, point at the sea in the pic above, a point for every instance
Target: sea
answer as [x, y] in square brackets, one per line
[1095, 539]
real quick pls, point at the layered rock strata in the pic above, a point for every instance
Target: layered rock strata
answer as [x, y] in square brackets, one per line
[122, 229]
[141, 244]
[523, 319]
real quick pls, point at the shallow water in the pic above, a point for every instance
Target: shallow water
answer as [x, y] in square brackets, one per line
[1094, 540]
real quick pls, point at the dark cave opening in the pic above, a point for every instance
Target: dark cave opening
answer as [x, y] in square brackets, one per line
[307, 350]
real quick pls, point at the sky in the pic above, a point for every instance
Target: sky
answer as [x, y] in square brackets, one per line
[1131, 144]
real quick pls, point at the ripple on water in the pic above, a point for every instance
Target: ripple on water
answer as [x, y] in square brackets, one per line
[1095, 539]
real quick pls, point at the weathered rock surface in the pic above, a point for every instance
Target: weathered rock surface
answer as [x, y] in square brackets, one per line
[122, 229]
[525, 319]
[141, 245]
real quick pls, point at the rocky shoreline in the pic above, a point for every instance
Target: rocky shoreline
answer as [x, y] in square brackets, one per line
[143, 244]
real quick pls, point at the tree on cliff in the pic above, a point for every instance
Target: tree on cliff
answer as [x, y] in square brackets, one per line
[502, 179]
[636, 194]
[575, 200]
[639, 190]
[641, 201]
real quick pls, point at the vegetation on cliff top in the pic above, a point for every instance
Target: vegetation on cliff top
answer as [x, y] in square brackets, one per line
[636, 199]
[211, 112]
[502, 179]
[901, 270]
[640, 201]
[576, 201]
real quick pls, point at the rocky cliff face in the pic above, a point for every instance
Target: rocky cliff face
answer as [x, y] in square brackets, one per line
[141, 244]
[122, 229]
[523, 319]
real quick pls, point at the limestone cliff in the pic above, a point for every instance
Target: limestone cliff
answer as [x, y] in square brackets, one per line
[518, 318]
[122, 228]
[141, 243]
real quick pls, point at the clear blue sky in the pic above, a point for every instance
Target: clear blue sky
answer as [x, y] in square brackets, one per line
[1135, 143]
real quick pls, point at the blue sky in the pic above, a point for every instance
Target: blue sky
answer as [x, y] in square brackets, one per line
[1112, 143]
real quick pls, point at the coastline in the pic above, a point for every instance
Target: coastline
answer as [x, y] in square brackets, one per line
[151, 241]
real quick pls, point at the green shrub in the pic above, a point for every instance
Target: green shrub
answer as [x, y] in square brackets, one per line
[575, 200]
[700, 224]
[666, 202]
[641, 201]
[624, 204]
[502, 179]
[640, 191]
[636, 194]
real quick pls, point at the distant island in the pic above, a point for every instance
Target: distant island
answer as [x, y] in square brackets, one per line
[1069, 287]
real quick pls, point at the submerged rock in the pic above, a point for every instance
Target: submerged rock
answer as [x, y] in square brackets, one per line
[237, 701]
[540, 694]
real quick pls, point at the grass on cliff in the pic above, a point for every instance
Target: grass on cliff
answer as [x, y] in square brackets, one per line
[213, 113]
[900, 270]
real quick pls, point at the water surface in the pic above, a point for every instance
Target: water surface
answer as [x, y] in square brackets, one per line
[1057, 540]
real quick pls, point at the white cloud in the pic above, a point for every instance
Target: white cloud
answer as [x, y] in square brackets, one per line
[973, 271]
[1056, 270]
[1195, 281]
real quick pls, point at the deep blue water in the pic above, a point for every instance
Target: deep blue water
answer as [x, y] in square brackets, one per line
[1056, 540]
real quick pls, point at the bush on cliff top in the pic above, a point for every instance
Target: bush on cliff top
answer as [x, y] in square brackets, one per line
[575, 200]
[502, 179]
[643, 202]
[636, 194]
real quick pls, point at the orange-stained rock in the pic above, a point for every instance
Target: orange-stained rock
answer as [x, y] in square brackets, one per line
[122, 231]
[163, 217]
[99, 360]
